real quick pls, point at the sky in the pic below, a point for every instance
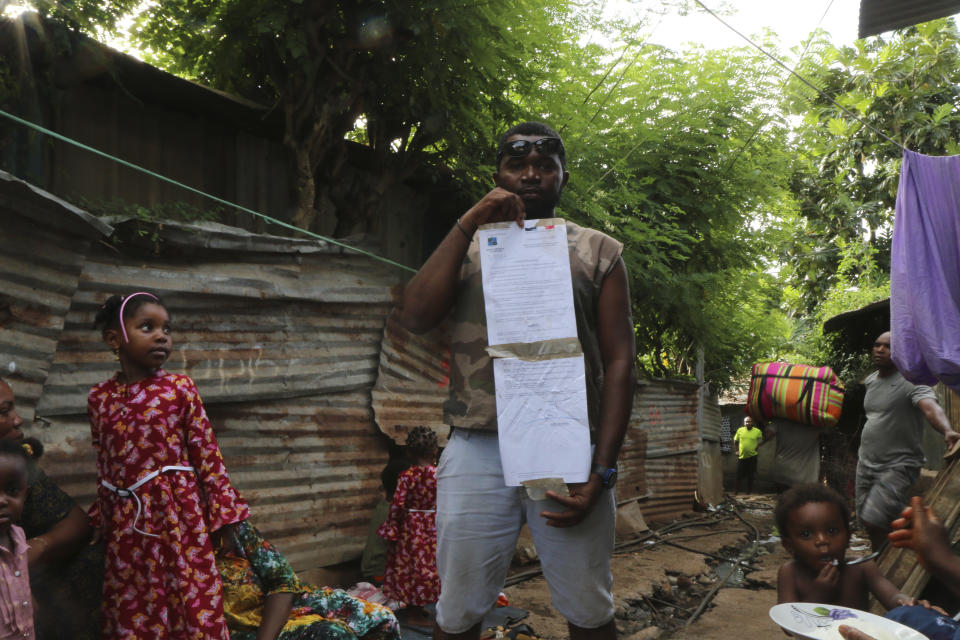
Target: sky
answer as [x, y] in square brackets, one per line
[791, 20]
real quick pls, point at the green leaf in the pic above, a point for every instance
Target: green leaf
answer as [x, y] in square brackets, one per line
[942, 112]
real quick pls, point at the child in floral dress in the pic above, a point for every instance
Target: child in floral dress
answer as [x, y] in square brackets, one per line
[411, 527]
[163, 487]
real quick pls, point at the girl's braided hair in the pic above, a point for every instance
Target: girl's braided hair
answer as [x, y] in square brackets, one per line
[421, 441]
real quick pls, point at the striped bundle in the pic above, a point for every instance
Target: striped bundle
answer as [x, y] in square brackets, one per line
[811, 395]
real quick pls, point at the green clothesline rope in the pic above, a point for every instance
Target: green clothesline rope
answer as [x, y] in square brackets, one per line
[164, 178]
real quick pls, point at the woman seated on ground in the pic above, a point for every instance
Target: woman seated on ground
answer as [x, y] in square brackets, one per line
[264, 600]
[66, 574]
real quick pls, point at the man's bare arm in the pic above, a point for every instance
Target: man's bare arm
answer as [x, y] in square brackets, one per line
[938, 419]
[430, 294]
[619, 353]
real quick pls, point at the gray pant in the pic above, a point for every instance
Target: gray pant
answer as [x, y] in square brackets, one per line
[882, 493]
[478, 522]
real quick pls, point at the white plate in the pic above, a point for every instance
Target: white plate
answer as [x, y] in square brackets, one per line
[820, 621]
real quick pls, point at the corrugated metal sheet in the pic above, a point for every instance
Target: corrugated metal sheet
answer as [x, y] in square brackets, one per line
[282, 337]
[877, 16]
[412, 383]
[710, 428]
[665, 411]
[248, 325]
[42, 245]
[310, 468]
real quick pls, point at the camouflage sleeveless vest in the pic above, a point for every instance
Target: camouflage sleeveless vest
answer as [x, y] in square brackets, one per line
[472, 404]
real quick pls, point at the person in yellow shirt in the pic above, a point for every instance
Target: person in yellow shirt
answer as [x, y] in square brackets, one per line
[749, 438]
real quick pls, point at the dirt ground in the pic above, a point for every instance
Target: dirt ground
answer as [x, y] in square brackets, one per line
[658, 586]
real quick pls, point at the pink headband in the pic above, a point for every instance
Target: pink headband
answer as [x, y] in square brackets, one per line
[124, 304]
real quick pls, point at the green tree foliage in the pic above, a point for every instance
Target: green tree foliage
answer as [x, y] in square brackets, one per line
[431, 79]
[846, 175]
[675, 154]
[858, 282]
[659, 158]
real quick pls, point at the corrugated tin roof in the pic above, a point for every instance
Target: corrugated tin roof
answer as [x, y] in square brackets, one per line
[284, 347]
[247, 325]
[877, 16]
[19, 198]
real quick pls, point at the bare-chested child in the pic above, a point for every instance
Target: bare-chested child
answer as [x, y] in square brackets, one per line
[814, 524]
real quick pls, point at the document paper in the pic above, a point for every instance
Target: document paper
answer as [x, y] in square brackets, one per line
[542, 418]
[527, 289]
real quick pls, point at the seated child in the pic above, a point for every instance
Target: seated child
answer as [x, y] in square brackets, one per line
[264, 600]
[814, 524]
[16, 613]
[373, 563]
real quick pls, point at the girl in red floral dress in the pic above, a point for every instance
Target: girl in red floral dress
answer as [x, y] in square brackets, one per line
[163, 490]
[411, 528]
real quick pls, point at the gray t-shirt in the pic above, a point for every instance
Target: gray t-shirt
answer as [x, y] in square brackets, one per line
[893, 434]
[797, 452]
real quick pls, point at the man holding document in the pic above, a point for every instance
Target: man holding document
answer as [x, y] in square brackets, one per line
[542, 349]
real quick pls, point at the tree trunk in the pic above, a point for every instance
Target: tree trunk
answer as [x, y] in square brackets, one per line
[305, 213]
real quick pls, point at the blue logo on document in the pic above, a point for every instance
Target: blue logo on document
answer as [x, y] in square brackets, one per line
[492, 241]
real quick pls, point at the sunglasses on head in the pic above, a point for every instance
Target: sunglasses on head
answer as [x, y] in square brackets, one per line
[520, 148]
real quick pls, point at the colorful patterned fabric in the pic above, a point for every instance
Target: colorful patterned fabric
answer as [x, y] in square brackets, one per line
[811, 395]
[412, 527]
[165, 586]
[472, 404]
[257, 570]
[67, 593]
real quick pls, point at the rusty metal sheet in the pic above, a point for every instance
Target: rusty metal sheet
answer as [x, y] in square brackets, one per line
[245, 327]
[710, 429]
[42, 244]
[672, 483]
[413, 381]
[20, 198]
[665, 412]
[284, 346]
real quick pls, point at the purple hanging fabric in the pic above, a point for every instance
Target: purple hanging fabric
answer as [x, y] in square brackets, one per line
[925, 271]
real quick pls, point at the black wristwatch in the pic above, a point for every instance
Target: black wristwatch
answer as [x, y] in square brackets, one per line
[608, 475]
